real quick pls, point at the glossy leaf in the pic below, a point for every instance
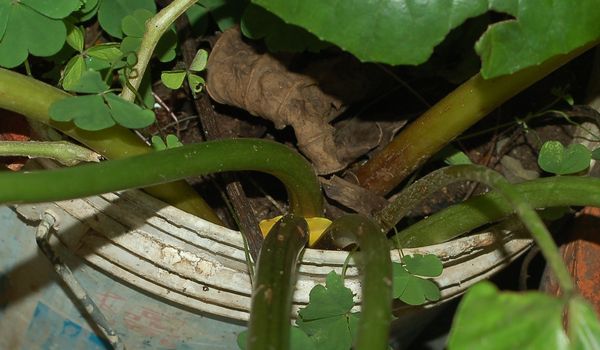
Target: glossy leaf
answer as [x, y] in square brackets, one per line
[555, 158]
[258, 23]
[173, 79]
[27, 31]
[87, 112]
[487, 319]
[405, 31]
[112, 12]
[128, 114]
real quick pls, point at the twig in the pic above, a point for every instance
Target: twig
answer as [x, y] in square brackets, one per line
[63, 152]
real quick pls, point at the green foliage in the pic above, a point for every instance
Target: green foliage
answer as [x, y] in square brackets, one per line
[489, 319]
[596, 154]
[134, 27]
[555, 158]
[408, 284]
[226, 13]
[258, 23]
[174, 79]
[94, 59]
[198, 17]
[112, 12]
[405, 32]
[171, 141]
[454, 156]
[100, 111]
[298, 339]
[32, 27]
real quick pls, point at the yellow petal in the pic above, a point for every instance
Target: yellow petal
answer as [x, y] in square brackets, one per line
[316, 227]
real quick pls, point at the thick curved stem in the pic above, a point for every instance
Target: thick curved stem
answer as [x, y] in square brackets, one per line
[447, 119]
[33, 98]
[442, 177]
[376, 267]
[169, 165]
[460, 218]
[269, 326]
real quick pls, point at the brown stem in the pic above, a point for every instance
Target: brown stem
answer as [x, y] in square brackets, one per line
[245, 217]
[447, 119]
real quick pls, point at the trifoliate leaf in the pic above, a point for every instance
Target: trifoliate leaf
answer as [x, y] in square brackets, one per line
[56, 9]
[555, 158]
[90, 82]
[108, 51]
[27, 31]
[112, 12]
[411, 289]
[73, 71]
[196, 83]
[198, 17]
[128, 114]
[258, 23]
[488, 319]
[87, 112]
[87, 11]
[173, 79]
[333, 299]
[199, 62]
[423, 265]
[158, 144]
[173, 141]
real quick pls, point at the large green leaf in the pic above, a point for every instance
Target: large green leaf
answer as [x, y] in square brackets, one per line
[406, 31]
[488, 319]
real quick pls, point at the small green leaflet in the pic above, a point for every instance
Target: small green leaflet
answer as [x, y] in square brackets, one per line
[408, 286]
[555, 158]
[75, 37]
[95, 58]
[89, 82]
[97, 112]
[112, 12]
[171, 142]
[32, 27]
[173, 79]
[327, 319]
[454, 156]
[134, 26]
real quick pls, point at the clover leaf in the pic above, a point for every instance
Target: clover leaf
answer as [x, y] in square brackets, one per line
[32, 27]
[174, 79]
[555, 158]
[95, 58]
[134, 26]
[171, 141]
[408, 286]
[327, 319]
[112, 12]
[101, 111]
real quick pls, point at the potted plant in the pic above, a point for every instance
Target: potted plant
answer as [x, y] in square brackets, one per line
[203, 265]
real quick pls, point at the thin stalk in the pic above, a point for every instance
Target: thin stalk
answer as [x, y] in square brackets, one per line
[64, 152]
[172, 164]
[445, 176]
[155, 28]
[376, 267]
[269, 325]
[447, 119]
[461, 218]
[33, 98]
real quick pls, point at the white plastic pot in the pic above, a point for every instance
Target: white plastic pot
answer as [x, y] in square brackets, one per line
[179, 257]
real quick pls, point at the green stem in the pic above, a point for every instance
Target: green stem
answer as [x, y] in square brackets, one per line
[447, 119]
[445, 176]
[460, 218]
[64, 152]
[169, 165]
[376, 267]
[33, 98]
[269, 325]
[155, 28]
